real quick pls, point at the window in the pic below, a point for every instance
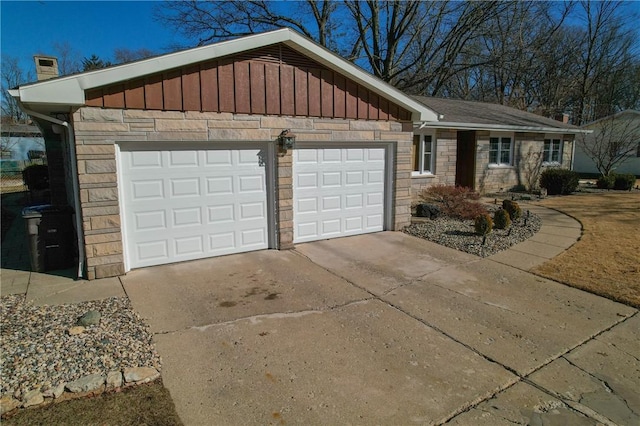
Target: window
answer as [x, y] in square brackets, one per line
[423, 154]
[552, 151]
[500, 148]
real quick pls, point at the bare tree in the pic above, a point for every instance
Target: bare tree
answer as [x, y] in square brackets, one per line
[607, 41]
[12, 76]
[530, 55]
[530, 167]
[614, 140]
[207, 21]
[124, 55]
[69, 59]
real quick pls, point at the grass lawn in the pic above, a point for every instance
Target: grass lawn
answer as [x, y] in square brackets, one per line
[148, 405]
[606, 260]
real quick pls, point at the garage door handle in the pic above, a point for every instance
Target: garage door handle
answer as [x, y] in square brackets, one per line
[53, 246]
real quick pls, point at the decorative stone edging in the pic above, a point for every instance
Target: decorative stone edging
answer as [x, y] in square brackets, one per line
[93, 384]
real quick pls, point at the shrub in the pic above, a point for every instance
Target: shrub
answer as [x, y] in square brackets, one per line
[427, 210]
[513, 208]
[501, 219]
[559, 181]
[624, 182]
[605, 182]
[483, 224]
[456, 201]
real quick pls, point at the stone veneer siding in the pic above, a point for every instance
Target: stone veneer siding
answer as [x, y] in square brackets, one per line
[445, 167]
[97, 131]
[492, 179]
[488, 179]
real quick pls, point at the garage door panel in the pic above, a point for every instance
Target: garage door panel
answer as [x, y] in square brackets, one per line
[307, 156]
[189, 245]
[221, 214]
[185, 187]
[253, 237]
[147, 189]
[348, 199]
[307, 180]
[219, 186]
[183, 158]
[187, 217]
[353, 224]
[218, 158]
[190, 204]
[152, 250]
[145, 159]
[222, 242]
[251, 183]
[151, 220]
[331, 155]
[331, 203]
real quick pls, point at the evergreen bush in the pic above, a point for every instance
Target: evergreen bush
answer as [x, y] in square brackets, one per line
[559, 181]
[605, 182]
[513, 208]
[501, 219]
[483, 224]
[624, 182]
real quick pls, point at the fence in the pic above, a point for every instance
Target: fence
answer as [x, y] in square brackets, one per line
[11, 174]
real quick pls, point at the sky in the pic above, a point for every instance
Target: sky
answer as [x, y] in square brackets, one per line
[90, 27]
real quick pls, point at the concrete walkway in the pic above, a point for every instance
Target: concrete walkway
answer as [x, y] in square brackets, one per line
[381, 329]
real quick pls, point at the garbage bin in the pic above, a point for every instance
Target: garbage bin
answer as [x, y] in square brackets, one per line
[51, 235]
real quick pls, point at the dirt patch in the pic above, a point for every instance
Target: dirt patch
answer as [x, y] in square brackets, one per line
[605, 260]
[140, 405]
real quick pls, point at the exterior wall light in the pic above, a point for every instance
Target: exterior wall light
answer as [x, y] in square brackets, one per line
[286, 139]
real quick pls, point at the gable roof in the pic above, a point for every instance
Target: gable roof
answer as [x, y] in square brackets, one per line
[70, 90]
[470, 115]
[633, 114]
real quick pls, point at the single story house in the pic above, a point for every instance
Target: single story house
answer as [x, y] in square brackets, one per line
[620, 128]
[254, 143]
[491, 148]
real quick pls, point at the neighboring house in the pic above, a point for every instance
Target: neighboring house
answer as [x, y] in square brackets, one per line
[181, 156]
[487, 147]
[623, 129]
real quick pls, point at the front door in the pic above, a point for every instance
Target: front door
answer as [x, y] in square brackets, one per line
[466, 159]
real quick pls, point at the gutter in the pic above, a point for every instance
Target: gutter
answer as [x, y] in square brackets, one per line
[75, 182]
[499, 127]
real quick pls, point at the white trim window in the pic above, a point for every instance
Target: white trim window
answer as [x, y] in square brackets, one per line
[552, 151]
[424, 154]
[500, 150]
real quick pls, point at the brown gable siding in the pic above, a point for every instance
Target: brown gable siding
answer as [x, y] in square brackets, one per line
[274, 80]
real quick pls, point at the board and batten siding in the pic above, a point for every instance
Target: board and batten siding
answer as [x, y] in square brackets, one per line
[270, 81]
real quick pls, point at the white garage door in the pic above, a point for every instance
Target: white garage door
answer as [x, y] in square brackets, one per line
[189, 204]
[337, 192]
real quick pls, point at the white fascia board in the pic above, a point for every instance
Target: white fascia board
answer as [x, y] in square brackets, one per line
[498, 127]
[323, 56]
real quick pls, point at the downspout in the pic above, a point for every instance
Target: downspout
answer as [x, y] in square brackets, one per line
[75, 182]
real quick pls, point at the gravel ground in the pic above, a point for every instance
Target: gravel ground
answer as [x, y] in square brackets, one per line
[460, 235]
[36, 350]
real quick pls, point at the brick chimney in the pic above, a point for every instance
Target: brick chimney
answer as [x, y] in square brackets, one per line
[564, 117]
[46, 67]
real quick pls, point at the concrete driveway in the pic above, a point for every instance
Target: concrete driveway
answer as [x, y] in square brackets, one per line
[385, 329]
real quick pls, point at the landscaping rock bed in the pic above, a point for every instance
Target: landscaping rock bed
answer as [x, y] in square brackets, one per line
[460, 235]
[47, 354]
